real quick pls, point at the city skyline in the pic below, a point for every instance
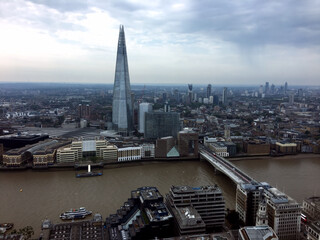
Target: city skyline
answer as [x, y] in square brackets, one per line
[212, 42]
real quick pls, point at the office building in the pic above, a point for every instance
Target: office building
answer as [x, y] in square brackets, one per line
[311, 206]
[209, 89]
[267, 88]
[284, 214]
[257, 232]
[147, 150]
[285, 88]
[291, 98]
[129, 154]
[143, 108]
[207, 200]
[225, 96]
[248, 198]
[84, 111]
[17, 157]
[188, 143]
[122, 107]
[21, 140]
[163, 146]
[161, 124]
[313, 231]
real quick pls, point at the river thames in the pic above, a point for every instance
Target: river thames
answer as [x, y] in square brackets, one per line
[28, 197]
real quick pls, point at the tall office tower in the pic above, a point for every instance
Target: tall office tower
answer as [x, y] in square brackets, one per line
[84, 111]
[266, 90]
[285, 88]
[260, 89]
[209, 90]
[208, 201]
[166, 107]
[272, 89]
[143, 108]
[190, 95]
[161, 124]
[291, 98]
[122, 113]
[225, 96]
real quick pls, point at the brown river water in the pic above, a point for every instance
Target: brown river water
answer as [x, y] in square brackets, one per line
[46, 194]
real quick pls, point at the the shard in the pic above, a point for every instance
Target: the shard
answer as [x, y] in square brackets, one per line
[122, 114]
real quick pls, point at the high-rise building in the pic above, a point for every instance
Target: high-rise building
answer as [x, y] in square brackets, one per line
[161, 124]
[122, 113]
[143, 108]
[209, 90]
[285, 88]
[225, 96]
[84, 111]
[267, 89]
[291, 98]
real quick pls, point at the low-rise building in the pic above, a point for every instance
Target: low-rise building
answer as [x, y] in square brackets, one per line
[256, 147]
[147, 150]
[257, 232]
[219, 148]
[313, 231]
[286, 148]
[17, 157]
[129, 154]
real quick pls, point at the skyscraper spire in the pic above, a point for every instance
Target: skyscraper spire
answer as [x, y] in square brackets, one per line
[122, 116]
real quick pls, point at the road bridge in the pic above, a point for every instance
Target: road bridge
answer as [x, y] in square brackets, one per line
[224, 166]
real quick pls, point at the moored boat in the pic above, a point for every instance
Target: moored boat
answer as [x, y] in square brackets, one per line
[75, 214]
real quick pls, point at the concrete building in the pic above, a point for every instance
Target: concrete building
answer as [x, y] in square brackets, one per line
[122, 106]
[284, 214]
[311, 206]
[286, 148]
[207, 200]
[313, 231]
[84, 111]
[147, 150]
[161, 124]
[143, 108]
[256, 147]
[163, 146]
[17, 157]
[188, 221]
[67, 155]
[188, 142]
[248, 197]
[209, 89]
[219, 148]
[109, 153]
[129, 154]
[257, 232]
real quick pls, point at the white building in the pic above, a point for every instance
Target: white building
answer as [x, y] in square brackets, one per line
[143, 108]
[129, 154]
[147, 150]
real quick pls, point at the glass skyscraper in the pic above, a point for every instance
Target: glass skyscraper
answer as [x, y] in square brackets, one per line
[122, 113]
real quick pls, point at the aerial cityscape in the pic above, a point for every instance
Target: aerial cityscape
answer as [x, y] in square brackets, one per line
[186, 157]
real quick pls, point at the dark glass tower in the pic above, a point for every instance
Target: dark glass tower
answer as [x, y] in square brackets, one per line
[122, 115]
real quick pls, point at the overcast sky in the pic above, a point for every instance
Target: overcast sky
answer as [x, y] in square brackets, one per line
[178, 42]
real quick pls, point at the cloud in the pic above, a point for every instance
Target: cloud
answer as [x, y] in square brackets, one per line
[175, 41]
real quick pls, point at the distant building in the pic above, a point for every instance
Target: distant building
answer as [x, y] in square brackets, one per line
[84, 111]
[129, 154]
[207, 200]
[311, 206]
[286, 148]
[143, 108]
[267, 89]
[255, 147]
[122, 106]
[291, 98]
[188, 143]
[219, 148]
[1, 152]
[147, 150]
[21, 140]
[257, 232]
[163, 146]
[161, 124]
[209, 89]
[225, 96]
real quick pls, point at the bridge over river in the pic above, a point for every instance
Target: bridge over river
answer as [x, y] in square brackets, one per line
[224, 166]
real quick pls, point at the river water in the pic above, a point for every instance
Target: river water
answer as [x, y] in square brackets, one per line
[28, 197]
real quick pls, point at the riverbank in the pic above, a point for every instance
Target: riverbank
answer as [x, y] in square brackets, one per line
[296, 156]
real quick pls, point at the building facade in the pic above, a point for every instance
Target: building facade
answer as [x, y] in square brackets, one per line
[207, 200]
[188, 143]
[122, 106]
[143, 108]
[161, 124]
